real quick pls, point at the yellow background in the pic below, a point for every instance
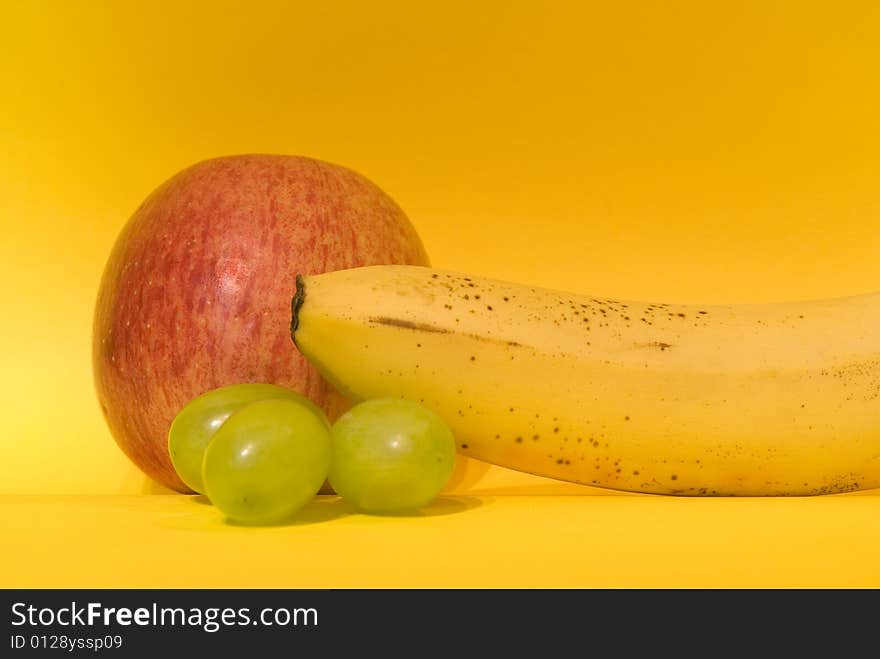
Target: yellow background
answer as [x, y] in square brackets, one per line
[677, 151]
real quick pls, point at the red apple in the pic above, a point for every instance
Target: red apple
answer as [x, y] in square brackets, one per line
[196, 293]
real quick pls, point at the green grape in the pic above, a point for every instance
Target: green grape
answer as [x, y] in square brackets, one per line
[196, 423]
[390, 455]
[268, 460]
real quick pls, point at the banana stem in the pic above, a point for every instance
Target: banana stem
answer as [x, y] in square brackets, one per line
[295, 304]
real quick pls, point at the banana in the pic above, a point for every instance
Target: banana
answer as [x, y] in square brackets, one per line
[750, 400]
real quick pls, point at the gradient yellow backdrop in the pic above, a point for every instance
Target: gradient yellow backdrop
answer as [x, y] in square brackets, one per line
[678, 151]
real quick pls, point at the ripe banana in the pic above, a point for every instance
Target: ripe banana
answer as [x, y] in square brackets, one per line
[774, 399]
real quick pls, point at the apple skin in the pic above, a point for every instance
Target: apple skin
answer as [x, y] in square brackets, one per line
[196, 292]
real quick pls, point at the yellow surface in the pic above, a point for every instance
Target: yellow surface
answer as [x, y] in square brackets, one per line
[459, 541]
[678, 151]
